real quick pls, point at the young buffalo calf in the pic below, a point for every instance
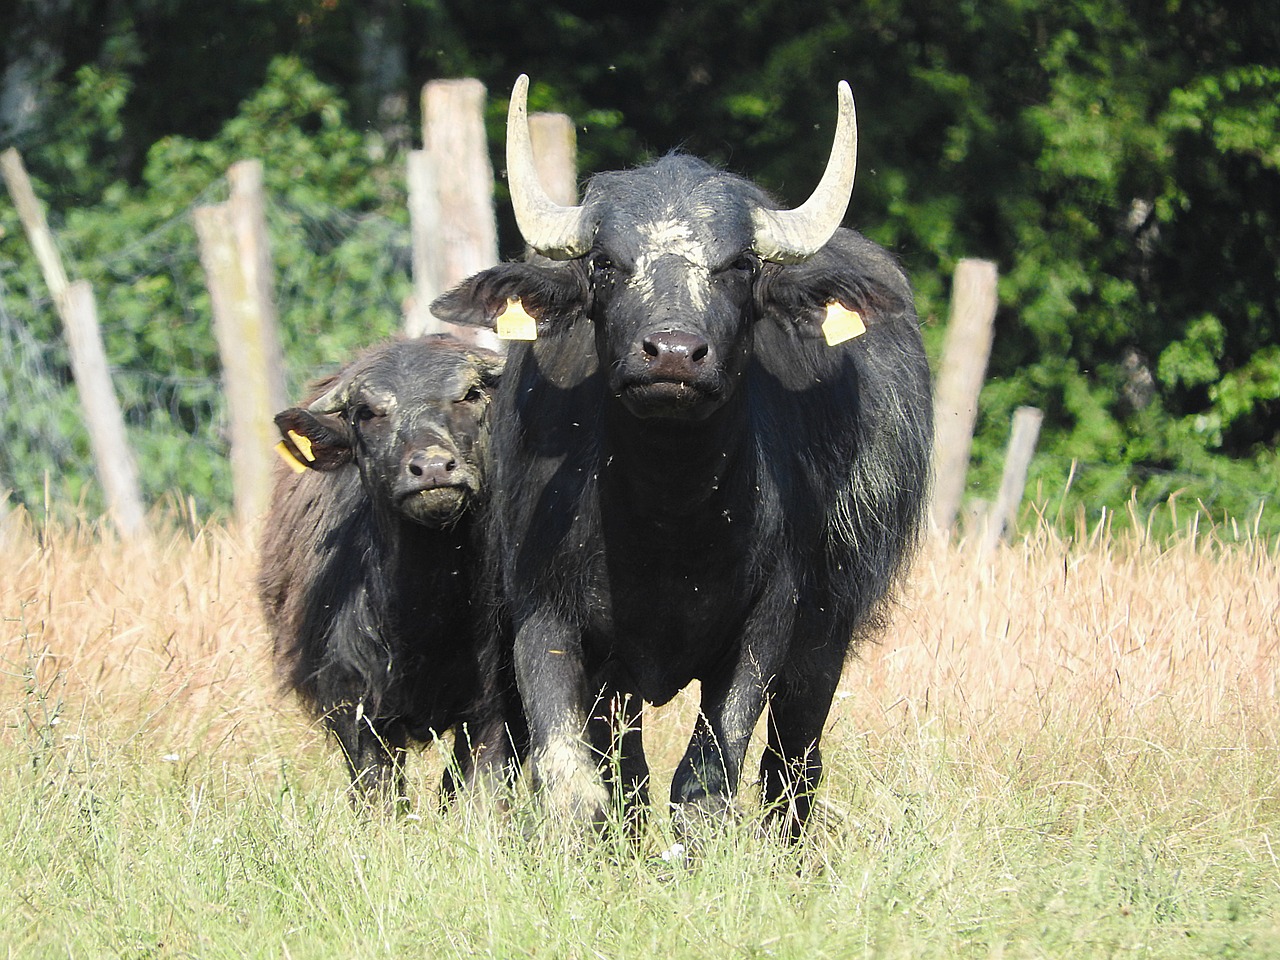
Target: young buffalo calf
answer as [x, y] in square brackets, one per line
[369, 559]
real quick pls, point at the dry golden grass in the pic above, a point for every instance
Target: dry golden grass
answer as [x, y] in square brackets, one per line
[1106, 635]
[1110, 633]
[160, 642]
[1068, 748]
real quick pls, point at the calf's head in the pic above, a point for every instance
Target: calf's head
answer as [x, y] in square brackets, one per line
[412, 415]
[672, 262]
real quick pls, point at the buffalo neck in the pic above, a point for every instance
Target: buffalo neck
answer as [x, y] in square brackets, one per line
[672, 467]
[405, 548]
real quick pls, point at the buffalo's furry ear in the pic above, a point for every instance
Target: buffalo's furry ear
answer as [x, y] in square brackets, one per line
[551, 294]
[489, 364]
[850, 271]
[321, 443]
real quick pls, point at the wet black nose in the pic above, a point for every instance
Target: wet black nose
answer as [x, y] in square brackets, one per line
[675, 353]
[425, 469]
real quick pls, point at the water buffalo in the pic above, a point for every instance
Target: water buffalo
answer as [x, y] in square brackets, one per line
[712, 453]
[369, 560]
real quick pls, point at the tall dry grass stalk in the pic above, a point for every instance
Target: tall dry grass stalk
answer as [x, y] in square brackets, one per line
[1105, 635]
[1112, 633]
[158, 642]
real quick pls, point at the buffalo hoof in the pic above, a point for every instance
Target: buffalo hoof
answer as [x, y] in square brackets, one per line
[706, 816]
[569, 790]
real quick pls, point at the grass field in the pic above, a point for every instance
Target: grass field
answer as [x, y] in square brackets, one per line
[1070, 748]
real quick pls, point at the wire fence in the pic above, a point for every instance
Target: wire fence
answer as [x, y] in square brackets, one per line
[340, 282]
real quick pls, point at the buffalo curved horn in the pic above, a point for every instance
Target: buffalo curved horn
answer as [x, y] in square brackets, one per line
[558, 232]
[789, 236]
[334, 399]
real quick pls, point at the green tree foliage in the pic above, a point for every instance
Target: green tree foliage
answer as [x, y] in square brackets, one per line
[1118, 161]
[339, 241]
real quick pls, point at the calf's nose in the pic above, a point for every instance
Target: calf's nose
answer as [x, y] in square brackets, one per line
[432, 467]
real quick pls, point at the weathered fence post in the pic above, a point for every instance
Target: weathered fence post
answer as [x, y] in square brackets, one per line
[1013, 481]
[464, 237]
[451, 209]
[424, 226]
[111, 454]
[8, 522]
[964, 366]
[113, 460]
[235, 254]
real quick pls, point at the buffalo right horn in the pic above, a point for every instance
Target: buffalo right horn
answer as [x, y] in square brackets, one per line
[560, 233]
[789, 236]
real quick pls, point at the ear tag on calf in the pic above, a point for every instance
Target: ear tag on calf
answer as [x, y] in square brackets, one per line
[303, 444]
[287, 456]
[842, 324]
[515, 323]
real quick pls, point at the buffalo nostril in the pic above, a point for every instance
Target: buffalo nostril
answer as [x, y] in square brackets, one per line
[675, 345]
[431, 465]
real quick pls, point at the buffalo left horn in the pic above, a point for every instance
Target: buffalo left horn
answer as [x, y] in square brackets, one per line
[333, 399]
[789, 236]
[558, 232]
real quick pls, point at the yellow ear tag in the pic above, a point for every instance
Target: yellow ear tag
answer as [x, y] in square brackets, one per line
[287, 456]
[515, 323]
[303, 444]
[842, 324]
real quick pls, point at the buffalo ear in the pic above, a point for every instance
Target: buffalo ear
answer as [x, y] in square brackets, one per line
[806, 320]
[848, 286]
[321, 443]
[489, 364]
[548, 294]
[466, 305]
[834, 321]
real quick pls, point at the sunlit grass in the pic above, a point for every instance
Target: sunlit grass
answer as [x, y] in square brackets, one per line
[1070, 747]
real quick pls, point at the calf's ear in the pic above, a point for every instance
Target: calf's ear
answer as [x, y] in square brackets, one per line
[308, 440]
[489, 364]
[519, 300]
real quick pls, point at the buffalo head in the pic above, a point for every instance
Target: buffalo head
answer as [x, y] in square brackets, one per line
[412, 416]
[673, 263]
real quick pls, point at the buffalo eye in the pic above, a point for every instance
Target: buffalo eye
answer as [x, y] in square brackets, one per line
[364, 413]
[747, 262]
[474, 395]
[603, 269]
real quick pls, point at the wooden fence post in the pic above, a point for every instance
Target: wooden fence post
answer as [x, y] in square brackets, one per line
[112, 458]
[964, 366]
[111, 454]
[451, 209]
[464, 237]
[1013, 481]
[235, 255]
[424, 226]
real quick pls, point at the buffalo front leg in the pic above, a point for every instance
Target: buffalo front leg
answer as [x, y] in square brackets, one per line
[791, 764]
[375, 754]
[706, 781]
[552, 683]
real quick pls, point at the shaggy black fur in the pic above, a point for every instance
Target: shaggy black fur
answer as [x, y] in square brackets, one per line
[691, 483]
[369, 562]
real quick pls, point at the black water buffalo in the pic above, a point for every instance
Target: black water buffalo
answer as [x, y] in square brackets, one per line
[369, 560]
[711, 464]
